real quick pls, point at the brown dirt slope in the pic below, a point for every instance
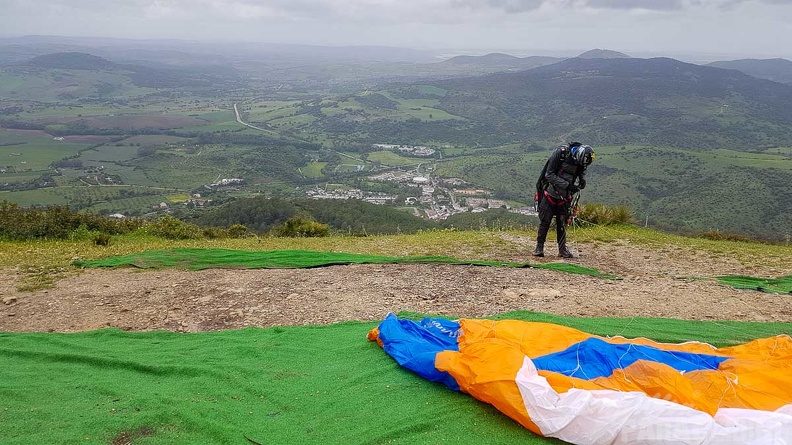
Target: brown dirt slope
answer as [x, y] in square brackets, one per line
[671, 282]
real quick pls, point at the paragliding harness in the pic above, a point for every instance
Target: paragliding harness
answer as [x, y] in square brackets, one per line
[572, 210]
[570, 204]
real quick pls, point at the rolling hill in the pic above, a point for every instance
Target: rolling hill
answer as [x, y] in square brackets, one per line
[142, 76]
[603, 54]
[777, 70]
[686, 146]
[628, 100]
[72, 61]
[497, 62]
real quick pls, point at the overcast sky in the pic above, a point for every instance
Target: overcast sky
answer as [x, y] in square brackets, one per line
[738, 28]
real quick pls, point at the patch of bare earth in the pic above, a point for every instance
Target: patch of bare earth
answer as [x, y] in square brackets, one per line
[671, 283]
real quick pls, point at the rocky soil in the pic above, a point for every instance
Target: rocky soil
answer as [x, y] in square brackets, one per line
[673, 283]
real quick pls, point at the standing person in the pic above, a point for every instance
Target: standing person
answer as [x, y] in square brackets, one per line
[555, 189]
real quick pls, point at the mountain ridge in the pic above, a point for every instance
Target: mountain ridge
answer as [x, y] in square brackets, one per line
[575, 94]
[603, 54]
[777, 69]
[72, 60]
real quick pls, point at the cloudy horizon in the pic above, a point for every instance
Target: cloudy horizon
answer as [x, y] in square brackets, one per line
[736, 28]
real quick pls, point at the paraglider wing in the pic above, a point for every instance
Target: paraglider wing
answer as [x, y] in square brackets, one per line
[561, 382]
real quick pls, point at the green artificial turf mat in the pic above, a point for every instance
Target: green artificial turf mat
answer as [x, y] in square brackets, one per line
[196, 259]
[781, 285]
[301, 384]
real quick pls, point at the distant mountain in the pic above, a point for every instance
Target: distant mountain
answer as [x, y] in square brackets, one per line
[628, 100]
[603, 54]
[488, 59]
[499, 62]
[777, 70]
[161, 50]
[144, 76]
[72, 61]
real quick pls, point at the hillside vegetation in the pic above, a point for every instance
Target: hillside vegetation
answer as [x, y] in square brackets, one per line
[687, 148]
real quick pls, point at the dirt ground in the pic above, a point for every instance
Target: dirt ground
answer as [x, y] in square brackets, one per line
[671, 283]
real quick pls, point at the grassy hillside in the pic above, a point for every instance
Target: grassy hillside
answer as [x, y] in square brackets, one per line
[686, 146]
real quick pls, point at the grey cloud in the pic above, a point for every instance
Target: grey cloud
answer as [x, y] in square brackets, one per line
[38, 15]
[91, 5]
[510, 6]
[672, 5]
[727, 5]
[658, 5]
[387, 10]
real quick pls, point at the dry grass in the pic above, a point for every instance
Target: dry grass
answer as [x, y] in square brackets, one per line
[41, 263]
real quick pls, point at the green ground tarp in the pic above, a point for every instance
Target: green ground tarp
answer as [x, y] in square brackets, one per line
[196, 259]
[289, 385]
[781, 285]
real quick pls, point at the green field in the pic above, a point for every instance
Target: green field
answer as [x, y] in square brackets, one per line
[387, 157]
[314, 169]
[128, 206]
[35, 151]
[292, 121]
[212, 115]
[780, 150]
[108, 153]
[108, 199]
[55, 111]
[41, 197]
[17, 177]
[265, 112]
[158, 140]
[424, 109]
[225, 126]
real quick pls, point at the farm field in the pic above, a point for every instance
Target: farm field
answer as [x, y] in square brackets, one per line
[314, 169]
[33, 150]
[386, 157]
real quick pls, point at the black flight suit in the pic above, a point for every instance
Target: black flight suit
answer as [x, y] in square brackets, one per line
[561, 172]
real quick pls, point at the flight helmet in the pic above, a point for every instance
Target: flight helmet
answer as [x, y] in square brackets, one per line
[583, 154]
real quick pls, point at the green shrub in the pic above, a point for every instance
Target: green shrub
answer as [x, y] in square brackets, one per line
[717, 235]
[301, 226]
[172, 228]
[237, 230]
[214, 233]
[602, 214]
[57, 222]
[101, 239]
[81, 233]
[234, 231]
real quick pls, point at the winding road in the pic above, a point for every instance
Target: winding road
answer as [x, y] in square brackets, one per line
[239, 119]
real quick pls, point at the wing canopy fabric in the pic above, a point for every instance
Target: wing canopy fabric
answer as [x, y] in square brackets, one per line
[415, 346]
[584, 389]
[603, 358]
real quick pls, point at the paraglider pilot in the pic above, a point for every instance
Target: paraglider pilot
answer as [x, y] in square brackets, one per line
[556, 189]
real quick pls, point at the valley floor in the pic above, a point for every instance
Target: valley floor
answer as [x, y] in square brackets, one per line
[668, 283]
